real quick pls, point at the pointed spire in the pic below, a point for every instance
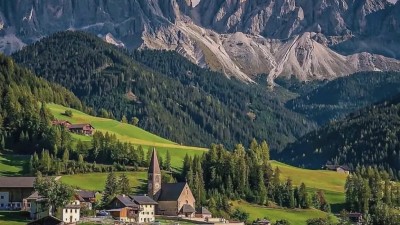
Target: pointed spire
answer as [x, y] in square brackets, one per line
[154, 167]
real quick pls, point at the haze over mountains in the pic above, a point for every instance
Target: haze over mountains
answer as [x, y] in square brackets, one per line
[316, 39]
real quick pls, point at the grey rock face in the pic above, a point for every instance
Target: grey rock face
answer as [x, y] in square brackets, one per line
[240, 38]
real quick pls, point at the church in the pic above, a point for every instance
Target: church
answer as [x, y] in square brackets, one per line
[174, 199]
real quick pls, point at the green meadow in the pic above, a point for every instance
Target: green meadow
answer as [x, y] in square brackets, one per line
[331, 182]
[128, 133]
[294, 216]
[96, 181]
[12, 165]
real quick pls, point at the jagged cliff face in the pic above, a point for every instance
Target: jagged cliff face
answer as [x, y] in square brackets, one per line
[310, 39]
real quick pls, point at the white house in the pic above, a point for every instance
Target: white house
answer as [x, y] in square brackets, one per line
[147, 208]
[71, 212]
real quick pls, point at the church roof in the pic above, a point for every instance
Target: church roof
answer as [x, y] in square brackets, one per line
[154, 167]
[203, 210]
[171, 191]
[186, 208]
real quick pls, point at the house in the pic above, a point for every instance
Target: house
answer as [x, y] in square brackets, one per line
[139, 209]
[85, 129]
[174, 199]
[71, 212]
[63, 123]
[86, 198]
[356, 218]
[48, 220]
[39, 210]
[340, 169]
[14, 191]
[202, 212]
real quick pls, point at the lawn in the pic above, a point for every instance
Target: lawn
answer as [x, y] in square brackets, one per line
[96, 181]
[12, 165]
[128, 133]
[332, 183]
[13, 218]
[294, 216]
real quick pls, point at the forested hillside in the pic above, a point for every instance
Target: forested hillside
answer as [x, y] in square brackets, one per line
[25, 123]
[179, 101]
[326, 101]
[367, 137]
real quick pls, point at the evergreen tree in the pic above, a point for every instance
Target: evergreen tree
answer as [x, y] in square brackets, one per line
[124, 184]
[111, 188]
[168, 161]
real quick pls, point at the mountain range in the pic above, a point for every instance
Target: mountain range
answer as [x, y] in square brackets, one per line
[310, 40]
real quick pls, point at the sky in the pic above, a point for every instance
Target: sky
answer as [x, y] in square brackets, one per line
[393, 1]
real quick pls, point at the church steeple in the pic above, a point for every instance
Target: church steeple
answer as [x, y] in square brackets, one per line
[154, 177]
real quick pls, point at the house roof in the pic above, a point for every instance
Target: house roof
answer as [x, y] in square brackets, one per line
[17, 182]
[154, 167]
[79, 126]
[171, 191]
[48, 220]
[86, 194]
[186, 208]
[331, 167]
[344, 167]
[203, 210]
[35, 195]
[357, 215]
[143, 200]
[126, 201]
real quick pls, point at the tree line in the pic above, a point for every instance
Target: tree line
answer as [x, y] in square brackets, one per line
[221, 175]
[372, 193]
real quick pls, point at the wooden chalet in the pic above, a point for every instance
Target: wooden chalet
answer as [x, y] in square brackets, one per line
[14, 191]
[338, 168]
[85, 129]
[86, 198]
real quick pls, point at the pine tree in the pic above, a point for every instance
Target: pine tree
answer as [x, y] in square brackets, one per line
[124, 184]
[110, 189]
[2, 143]
[124, 119]
[148, 157]
[65, 157]
[168, 161]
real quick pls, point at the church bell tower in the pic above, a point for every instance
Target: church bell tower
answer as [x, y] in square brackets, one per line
[154, 177]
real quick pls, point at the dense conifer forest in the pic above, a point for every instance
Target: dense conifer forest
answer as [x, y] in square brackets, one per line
[176, 100]
[367, 137]
[25, 123]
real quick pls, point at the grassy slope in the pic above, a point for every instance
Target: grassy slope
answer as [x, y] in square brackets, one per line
[294, 216]
[96, 181]
[128, 133]
[12, 165]
[330, 182]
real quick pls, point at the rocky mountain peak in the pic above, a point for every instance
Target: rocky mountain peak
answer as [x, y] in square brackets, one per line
[240, 38]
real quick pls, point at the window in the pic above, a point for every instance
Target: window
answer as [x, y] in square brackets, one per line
[70, 210]
[66, 210]
[2, 197]
[2, 205]
[76, 210]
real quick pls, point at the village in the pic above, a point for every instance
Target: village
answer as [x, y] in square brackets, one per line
[173, 202]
